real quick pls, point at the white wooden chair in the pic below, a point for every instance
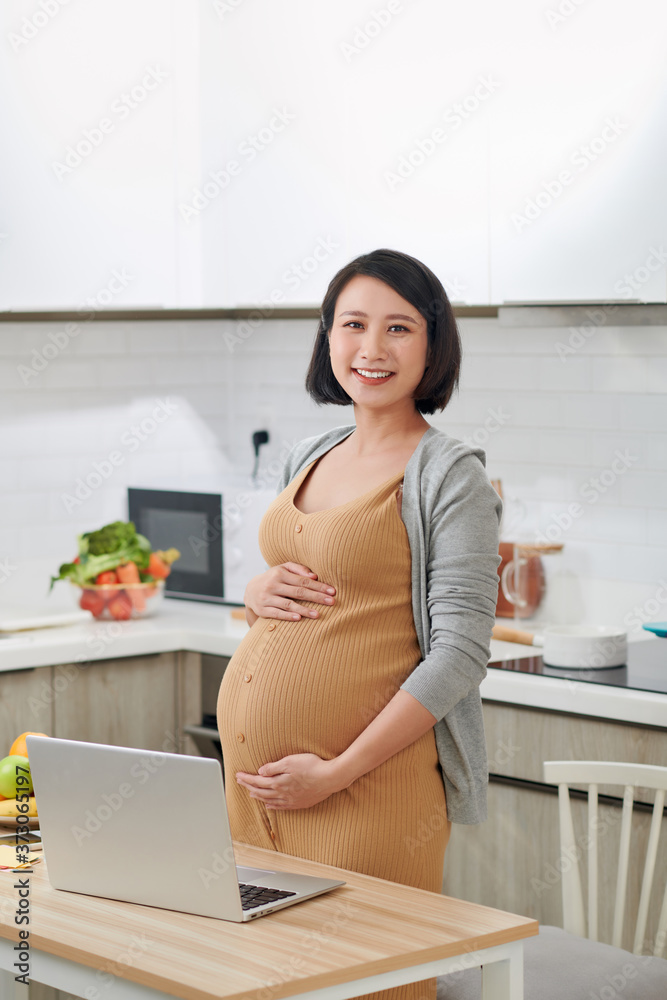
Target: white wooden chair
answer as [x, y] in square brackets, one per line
[593, 774]
[570, 963]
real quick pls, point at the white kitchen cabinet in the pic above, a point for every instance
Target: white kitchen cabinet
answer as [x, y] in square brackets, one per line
[506, 151]
[499, 143]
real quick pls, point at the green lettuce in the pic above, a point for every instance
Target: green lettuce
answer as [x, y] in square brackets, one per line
[106, 549]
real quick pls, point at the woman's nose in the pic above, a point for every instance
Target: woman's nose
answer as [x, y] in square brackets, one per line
[373, 344]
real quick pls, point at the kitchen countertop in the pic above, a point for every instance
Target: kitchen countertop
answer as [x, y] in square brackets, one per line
[209, 628]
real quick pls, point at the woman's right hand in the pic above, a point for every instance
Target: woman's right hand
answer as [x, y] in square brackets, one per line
[276, 593]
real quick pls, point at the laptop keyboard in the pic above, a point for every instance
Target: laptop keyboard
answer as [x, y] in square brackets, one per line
[257, 895]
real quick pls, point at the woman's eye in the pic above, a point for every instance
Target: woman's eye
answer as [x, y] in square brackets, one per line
[353, 323]
[399, 328]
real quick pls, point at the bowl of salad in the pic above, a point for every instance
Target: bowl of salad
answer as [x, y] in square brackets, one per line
[117, 574]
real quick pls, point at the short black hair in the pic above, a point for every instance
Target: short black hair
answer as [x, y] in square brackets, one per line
[419, 286]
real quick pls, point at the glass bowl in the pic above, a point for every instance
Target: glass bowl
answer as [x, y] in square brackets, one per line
[120, 601]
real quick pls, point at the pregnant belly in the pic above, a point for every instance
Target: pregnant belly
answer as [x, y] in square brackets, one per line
[304, 687]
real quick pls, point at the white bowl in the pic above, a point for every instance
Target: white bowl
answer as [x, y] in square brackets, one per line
[585, 647]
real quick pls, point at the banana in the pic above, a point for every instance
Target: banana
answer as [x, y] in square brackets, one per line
[8, 807]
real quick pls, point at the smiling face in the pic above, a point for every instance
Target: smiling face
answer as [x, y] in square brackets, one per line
[378, 343]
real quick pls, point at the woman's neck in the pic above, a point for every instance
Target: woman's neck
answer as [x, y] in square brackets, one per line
[379, 431]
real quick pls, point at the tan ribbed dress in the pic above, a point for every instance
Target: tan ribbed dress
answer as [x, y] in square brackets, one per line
[312, 686]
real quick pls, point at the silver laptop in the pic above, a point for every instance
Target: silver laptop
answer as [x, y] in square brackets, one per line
[152, 828]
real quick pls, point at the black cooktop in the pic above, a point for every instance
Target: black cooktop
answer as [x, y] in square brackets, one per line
[646, 669]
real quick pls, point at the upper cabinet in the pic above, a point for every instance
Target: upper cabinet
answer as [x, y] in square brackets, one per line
[237, 152]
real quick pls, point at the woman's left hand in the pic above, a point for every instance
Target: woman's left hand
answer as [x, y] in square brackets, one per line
[297, 781]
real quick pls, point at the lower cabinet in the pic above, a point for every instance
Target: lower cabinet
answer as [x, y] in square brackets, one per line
[26, 704]
[126, 702]
[513, 861]
[138, 701]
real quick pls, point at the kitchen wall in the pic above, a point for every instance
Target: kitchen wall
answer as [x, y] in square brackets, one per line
[574, 424]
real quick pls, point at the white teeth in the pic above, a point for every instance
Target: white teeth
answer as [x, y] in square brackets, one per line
[368, 374]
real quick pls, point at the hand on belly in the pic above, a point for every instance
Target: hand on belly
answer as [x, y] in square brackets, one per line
[297, 781]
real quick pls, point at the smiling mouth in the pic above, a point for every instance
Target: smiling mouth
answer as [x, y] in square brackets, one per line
[369, 375]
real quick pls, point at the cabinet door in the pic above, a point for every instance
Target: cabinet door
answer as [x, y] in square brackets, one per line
[26, 704]
[128, 702]
[520, 739]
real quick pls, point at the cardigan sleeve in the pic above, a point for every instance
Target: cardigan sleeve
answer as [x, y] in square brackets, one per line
[462, 559]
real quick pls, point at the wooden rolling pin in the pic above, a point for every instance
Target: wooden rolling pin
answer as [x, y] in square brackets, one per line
[515, 635]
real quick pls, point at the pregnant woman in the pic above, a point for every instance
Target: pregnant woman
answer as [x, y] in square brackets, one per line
[350, 715]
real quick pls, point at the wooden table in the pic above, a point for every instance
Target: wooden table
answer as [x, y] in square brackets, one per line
[367, 935]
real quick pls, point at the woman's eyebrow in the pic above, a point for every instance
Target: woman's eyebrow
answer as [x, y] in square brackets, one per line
[358, 312]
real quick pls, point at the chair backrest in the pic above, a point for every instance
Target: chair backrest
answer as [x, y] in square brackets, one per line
[594, 773]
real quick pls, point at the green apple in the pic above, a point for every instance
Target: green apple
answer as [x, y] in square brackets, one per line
[15, 778]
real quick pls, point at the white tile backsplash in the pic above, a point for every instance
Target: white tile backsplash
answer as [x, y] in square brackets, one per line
[559, 447]
[621, 374]
[551, 429]
[657, 375]
[154, 338]
[98, 339]
[597, 411]
[643, 413]
[572, 374]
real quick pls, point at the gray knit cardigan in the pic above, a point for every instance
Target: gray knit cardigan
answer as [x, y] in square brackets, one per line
[452, 515]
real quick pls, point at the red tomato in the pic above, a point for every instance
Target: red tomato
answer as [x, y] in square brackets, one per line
[120, 606]
[157, 567]
[92, 600]
[109, 576]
